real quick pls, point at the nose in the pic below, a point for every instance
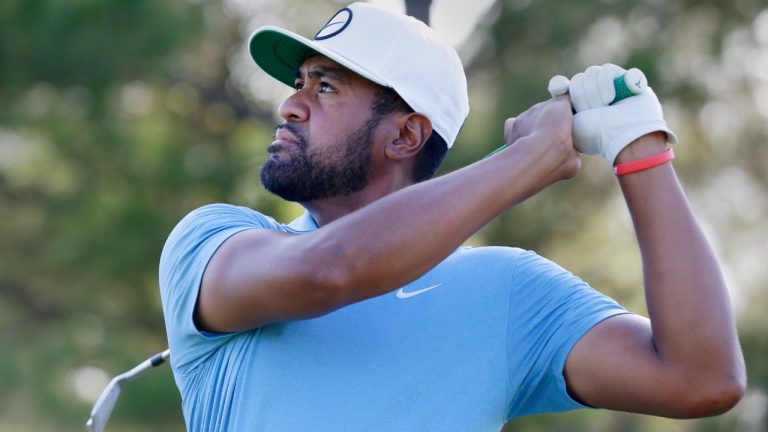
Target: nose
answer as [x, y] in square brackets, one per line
[294, 107]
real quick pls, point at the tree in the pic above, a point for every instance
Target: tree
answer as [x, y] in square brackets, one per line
[120, 117]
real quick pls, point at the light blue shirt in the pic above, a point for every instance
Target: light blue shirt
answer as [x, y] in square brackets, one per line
[478, 340]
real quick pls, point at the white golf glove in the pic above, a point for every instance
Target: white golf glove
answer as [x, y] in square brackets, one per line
[602, 128]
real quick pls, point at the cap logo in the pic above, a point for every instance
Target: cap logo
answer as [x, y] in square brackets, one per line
[335, 25]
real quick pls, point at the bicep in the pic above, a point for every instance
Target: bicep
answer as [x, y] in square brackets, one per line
[615, 365]
[258, 277]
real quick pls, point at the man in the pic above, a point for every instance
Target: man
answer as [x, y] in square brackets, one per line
[367, 314]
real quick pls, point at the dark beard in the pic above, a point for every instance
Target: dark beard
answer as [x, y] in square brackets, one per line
[309, 175]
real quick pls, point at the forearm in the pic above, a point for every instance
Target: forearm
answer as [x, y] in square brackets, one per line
[692, 322]
[399, 237]
[260, 277]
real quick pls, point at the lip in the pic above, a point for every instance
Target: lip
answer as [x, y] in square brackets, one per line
[277, 146]
[283, 134]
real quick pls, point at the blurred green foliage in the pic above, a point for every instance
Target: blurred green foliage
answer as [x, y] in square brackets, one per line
[120, 117]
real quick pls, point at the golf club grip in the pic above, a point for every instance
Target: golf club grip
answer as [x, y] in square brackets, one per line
[630, 83]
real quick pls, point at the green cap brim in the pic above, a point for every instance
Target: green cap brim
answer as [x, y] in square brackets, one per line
[278, 53]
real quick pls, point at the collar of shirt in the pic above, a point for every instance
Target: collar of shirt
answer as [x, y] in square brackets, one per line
[303, 223]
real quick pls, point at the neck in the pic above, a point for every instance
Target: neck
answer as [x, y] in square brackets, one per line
[327, 210]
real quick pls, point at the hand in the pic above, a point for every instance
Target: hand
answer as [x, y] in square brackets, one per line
[542, 135]
[600, 128]
[547, 115]
[594, 87]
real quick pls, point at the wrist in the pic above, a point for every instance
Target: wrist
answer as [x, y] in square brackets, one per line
[643, 147]
[644, 163]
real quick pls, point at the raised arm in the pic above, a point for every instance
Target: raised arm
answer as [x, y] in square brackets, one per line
[259, 277]
[685, 361]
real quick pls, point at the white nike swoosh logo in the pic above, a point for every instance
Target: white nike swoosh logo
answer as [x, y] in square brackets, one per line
[402, 294]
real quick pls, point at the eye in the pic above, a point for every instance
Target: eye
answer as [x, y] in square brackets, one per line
[326, 88]
[298, 85]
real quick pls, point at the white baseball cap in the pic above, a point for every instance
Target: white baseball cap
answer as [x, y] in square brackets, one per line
[390, 49]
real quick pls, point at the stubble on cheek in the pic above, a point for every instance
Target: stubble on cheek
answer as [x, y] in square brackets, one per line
[306, 173]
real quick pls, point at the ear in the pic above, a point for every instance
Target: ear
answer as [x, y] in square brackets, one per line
[415, 129]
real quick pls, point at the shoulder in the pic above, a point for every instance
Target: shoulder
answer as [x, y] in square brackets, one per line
[495, 255]
[225, 214]
[194, 239]
[211, 219]
[500, 260]
[522, 270]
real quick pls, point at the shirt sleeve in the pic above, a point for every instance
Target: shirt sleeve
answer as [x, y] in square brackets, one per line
[185, 256]
[550, 310]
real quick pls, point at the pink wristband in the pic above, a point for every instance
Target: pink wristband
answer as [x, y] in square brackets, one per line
[645, 163]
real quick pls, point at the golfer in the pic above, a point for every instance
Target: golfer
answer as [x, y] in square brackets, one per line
[368, 314]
